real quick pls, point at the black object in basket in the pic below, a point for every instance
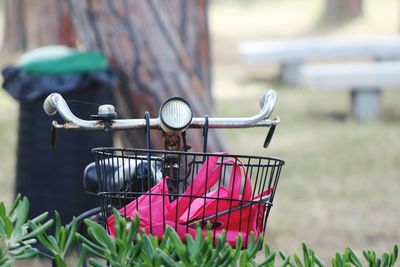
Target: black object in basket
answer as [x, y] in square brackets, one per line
[229, 192]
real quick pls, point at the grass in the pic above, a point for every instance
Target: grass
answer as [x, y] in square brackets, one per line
[8, 138]
[340, 185]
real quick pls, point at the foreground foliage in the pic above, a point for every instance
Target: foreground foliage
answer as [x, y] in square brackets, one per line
[18, 235]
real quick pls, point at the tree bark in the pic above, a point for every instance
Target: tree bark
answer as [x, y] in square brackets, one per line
[30, 24]
[191, 19]
[14, 32]
[161, 49]
[340, 11]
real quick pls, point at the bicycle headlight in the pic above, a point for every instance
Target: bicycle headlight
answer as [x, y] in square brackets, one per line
[175, 114]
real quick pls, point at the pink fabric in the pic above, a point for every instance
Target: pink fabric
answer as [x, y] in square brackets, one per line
[141, 206]
[217, 201]
[192, 206]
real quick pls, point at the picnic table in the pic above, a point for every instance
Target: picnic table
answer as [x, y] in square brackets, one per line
[292, 53]
[365, 82]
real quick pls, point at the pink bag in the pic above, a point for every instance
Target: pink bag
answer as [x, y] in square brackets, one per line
[241, 216]
[155, 210]
[223, 206]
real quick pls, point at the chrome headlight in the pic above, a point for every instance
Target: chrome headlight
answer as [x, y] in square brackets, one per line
[175, 115]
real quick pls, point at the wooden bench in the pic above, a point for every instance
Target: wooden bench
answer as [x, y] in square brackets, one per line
[290, 54]
[365, 82]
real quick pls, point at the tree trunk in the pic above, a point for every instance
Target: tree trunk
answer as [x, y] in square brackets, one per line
[161, 49]
[191, 18]
[340, 11]
[14, 32]
[30, 24]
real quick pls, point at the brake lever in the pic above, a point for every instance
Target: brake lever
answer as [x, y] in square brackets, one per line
[269, 136]
[53, 135]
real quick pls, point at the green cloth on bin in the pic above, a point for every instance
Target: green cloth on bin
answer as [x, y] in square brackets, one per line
[62, 60]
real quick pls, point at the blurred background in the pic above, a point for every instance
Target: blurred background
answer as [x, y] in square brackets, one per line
[340, 186]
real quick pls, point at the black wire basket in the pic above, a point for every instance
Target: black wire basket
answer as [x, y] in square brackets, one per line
[182, 189]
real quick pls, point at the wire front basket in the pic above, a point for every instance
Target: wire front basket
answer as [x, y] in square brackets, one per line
[182, 189]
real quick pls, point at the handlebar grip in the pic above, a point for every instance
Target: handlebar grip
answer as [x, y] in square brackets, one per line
[269, 98]
[49, 105]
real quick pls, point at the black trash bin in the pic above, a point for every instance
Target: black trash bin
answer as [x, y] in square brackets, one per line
[52, 179]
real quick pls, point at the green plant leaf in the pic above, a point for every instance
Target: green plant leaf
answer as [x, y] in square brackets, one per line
[95, 263]
[59, 261]
[226, 258]
[94, 251]
[353, 258]
[267, 250]
[99, 233]
[45, 242]
[7, 263]
[23, 210]
[117, 222]
[297, 260]
[244, 259]
[284, 257]
[28, 253]
[134, 252]
[3, 213]
[370, 258]
[71, 240]
[14, 207]
[270, 260]
[334, 264]
[255, 247]
[366, 255]
[239, 242]
[38, 230]
[306, 256]
[312, 257]
[338, 260]
[82, 256]
[319, 262]
[8, 227]
[18, 250]
[147, 245]
[40, 218]
[394, 254]
[57, 220]
[62, 237]
[281, 253]
[53, 242]
[385, 260]
[251, 243]
[286, 262]
[165, 259]
[90, 244]
[195, 249]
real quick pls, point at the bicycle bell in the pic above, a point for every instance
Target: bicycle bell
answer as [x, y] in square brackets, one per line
[175, 115]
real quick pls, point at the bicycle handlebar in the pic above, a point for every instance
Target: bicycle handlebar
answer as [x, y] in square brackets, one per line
[55, 103]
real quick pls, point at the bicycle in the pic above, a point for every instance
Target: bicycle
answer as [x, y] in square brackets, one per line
[224, 191]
